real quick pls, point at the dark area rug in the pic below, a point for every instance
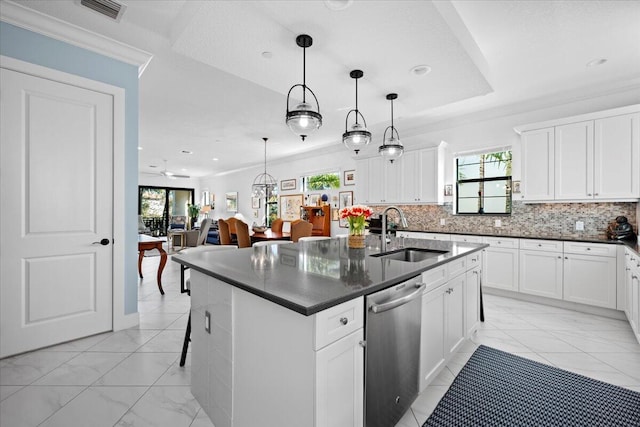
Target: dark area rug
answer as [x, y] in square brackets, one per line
[496, 388]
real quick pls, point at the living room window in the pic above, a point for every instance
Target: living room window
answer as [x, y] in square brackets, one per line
[483, 183]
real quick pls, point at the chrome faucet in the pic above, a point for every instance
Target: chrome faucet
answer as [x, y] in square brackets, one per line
[403, 220]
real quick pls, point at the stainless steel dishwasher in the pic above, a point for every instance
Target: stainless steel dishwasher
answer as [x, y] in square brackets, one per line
[392, 352]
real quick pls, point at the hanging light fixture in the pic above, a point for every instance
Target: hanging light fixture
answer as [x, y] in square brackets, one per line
[358, 136]
[303, 119]
[264, 185]
[391, 147]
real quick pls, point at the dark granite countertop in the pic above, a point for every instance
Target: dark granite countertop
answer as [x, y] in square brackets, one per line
[308, 277]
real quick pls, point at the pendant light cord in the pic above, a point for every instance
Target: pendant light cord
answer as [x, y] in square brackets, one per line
[356, 101]
[304, 74]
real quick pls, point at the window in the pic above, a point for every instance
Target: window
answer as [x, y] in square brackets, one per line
[484, 183]
[325, 181]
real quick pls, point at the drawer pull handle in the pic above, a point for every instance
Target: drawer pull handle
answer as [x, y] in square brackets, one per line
[539, 245]
[588, 249]
[344, 320]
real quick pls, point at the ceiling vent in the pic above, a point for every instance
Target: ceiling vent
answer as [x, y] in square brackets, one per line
[107, 8]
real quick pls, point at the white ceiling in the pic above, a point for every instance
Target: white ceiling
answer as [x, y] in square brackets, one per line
[209, 89]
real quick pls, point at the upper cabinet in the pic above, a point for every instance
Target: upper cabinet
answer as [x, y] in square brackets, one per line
[416, 178]
[597, 159]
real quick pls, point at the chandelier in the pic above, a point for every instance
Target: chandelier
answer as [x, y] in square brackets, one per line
[264, 185]
[303, 119]
[391, 147]
[358, 136]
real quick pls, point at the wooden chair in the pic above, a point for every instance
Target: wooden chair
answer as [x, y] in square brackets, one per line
[223, 232]
[300, 228]
[231, 222]
[276, 225]
[242, 232]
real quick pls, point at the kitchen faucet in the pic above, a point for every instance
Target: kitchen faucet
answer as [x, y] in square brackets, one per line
[403, 220]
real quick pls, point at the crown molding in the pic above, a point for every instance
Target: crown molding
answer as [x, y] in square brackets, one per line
[29, 19]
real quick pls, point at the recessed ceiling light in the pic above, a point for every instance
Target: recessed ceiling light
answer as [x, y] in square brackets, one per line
[187, 152]
[215, 159]
[267, 55]
[596, 62]
[338, 4]
[421, 70]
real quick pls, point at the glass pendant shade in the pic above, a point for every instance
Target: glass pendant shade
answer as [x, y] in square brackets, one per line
[304, 118]
[264, 185]
[356, 136]
[391, 147]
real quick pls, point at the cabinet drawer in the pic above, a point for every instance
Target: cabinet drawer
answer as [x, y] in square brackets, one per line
[435, 277]
[584, 248]
[503, 242]
[541, 245]
[339, 321]
[466, 238]
[474, 260]
[457, 266]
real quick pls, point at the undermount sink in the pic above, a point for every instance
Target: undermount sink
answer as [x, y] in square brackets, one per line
[410, 254]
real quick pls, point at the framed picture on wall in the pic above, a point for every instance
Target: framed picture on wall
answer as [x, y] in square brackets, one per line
[350, 177]
[232, 201]
[255, 202]
[345, 199]
[290, 207]
[314, 200]
[288, 184]
[335, 215]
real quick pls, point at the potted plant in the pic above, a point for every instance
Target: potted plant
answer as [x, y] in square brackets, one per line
[194, 211]
[356, 216]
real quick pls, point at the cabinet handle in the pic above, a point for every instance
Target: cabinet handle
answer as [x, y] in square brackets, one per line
[627, 268]
[633, 276]
[588, 249]
[566, 257]
[362, 343]
[344, 320]
[595, 194]
[539, 245]
[559, 257]
[475, 271]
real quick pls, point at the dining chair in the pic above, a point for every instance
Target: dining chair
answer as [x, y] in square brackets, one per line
[242, 233]
[271, 242]
[276, 225]
[185, 287]
[300, 229]
[223, 232]
[310, 238]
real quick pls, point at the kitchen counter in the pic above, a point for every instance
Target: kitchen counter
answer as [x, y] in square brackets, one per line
[308, 277]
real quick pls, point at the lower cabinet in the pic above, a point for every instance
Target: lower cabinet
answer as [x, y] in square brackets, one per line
[257, 363]
[590, 274]
[632, 291]
[540, 266]
[472, 301]
[432, 353]
[500, 263]
[454, 314]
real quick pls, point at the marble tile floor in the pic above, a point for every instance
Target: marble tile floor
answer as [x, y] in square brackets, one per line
[132, 378]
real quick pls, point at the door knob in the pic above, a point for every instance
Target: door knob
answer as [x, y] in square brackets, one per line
[103, 242]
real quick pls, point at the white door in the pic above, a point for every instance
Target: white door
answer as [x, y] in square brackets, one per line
[56, 177]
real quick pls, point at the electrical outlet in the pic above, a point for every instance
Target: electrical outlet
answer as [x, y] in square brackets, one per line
[207, 322]
[498, 223]
[579, 225]
[443, 221]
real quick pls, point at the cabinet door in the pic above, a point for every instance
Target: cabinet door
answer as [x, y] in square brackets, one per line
[541, 273]
[628, 279]
[537, 167]
[574, 161]
[432, 355]
[472, 301]
[500, 268]
[590, 280]
[411, 177]
[617, 157]
[376, 179]
[454, 311]
[392, 182]
[340, 383]
[363, 184]
[431, 183]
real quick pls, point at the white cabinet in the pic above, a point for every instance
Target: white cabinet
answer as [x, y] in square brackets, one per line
[632, 291]
[339, 379]
[500, 263]
[537, 167]
[574, 161]
[590, 157]
[472, 301]
[617, 157]
[541, 268]
[422, 176]
[432, 351]
[383, 181]
[425, 236]
[590, 279]
[466, 238]
[454, 314]
[361, 196]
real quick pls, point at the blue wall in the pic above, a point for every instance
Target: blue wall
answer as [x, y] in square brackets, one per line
[41, 50]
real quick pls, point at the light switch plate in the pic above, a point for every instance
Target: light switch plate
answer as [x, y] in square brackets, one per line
[579, 225]
[443, 221]
[498, 223]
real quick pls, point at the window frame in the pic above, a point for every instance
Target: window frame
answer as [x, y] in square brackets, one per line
[508, 178]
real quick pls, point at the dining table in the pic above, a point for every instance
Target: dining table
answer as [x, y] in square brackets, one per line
[146, 243]
[269, 234]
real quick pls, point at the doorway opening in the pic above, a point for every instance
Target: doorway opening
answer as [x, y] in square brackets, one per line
[159, 206]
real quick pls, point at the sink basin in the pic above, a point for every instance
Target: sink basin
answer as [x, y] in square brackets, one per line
[410, 254]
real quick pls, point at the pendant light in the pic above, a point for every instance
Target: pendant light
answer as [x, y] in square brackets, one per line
[391, 147]
[358, 136]
[264, 185]
[303, 119]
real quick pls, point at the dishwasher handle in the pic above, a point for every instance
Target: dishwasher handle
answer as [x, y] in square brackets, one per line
[379, 308]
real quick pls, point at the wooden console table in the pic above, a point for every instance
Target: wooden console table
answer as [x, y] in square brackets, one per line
[146, 243]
